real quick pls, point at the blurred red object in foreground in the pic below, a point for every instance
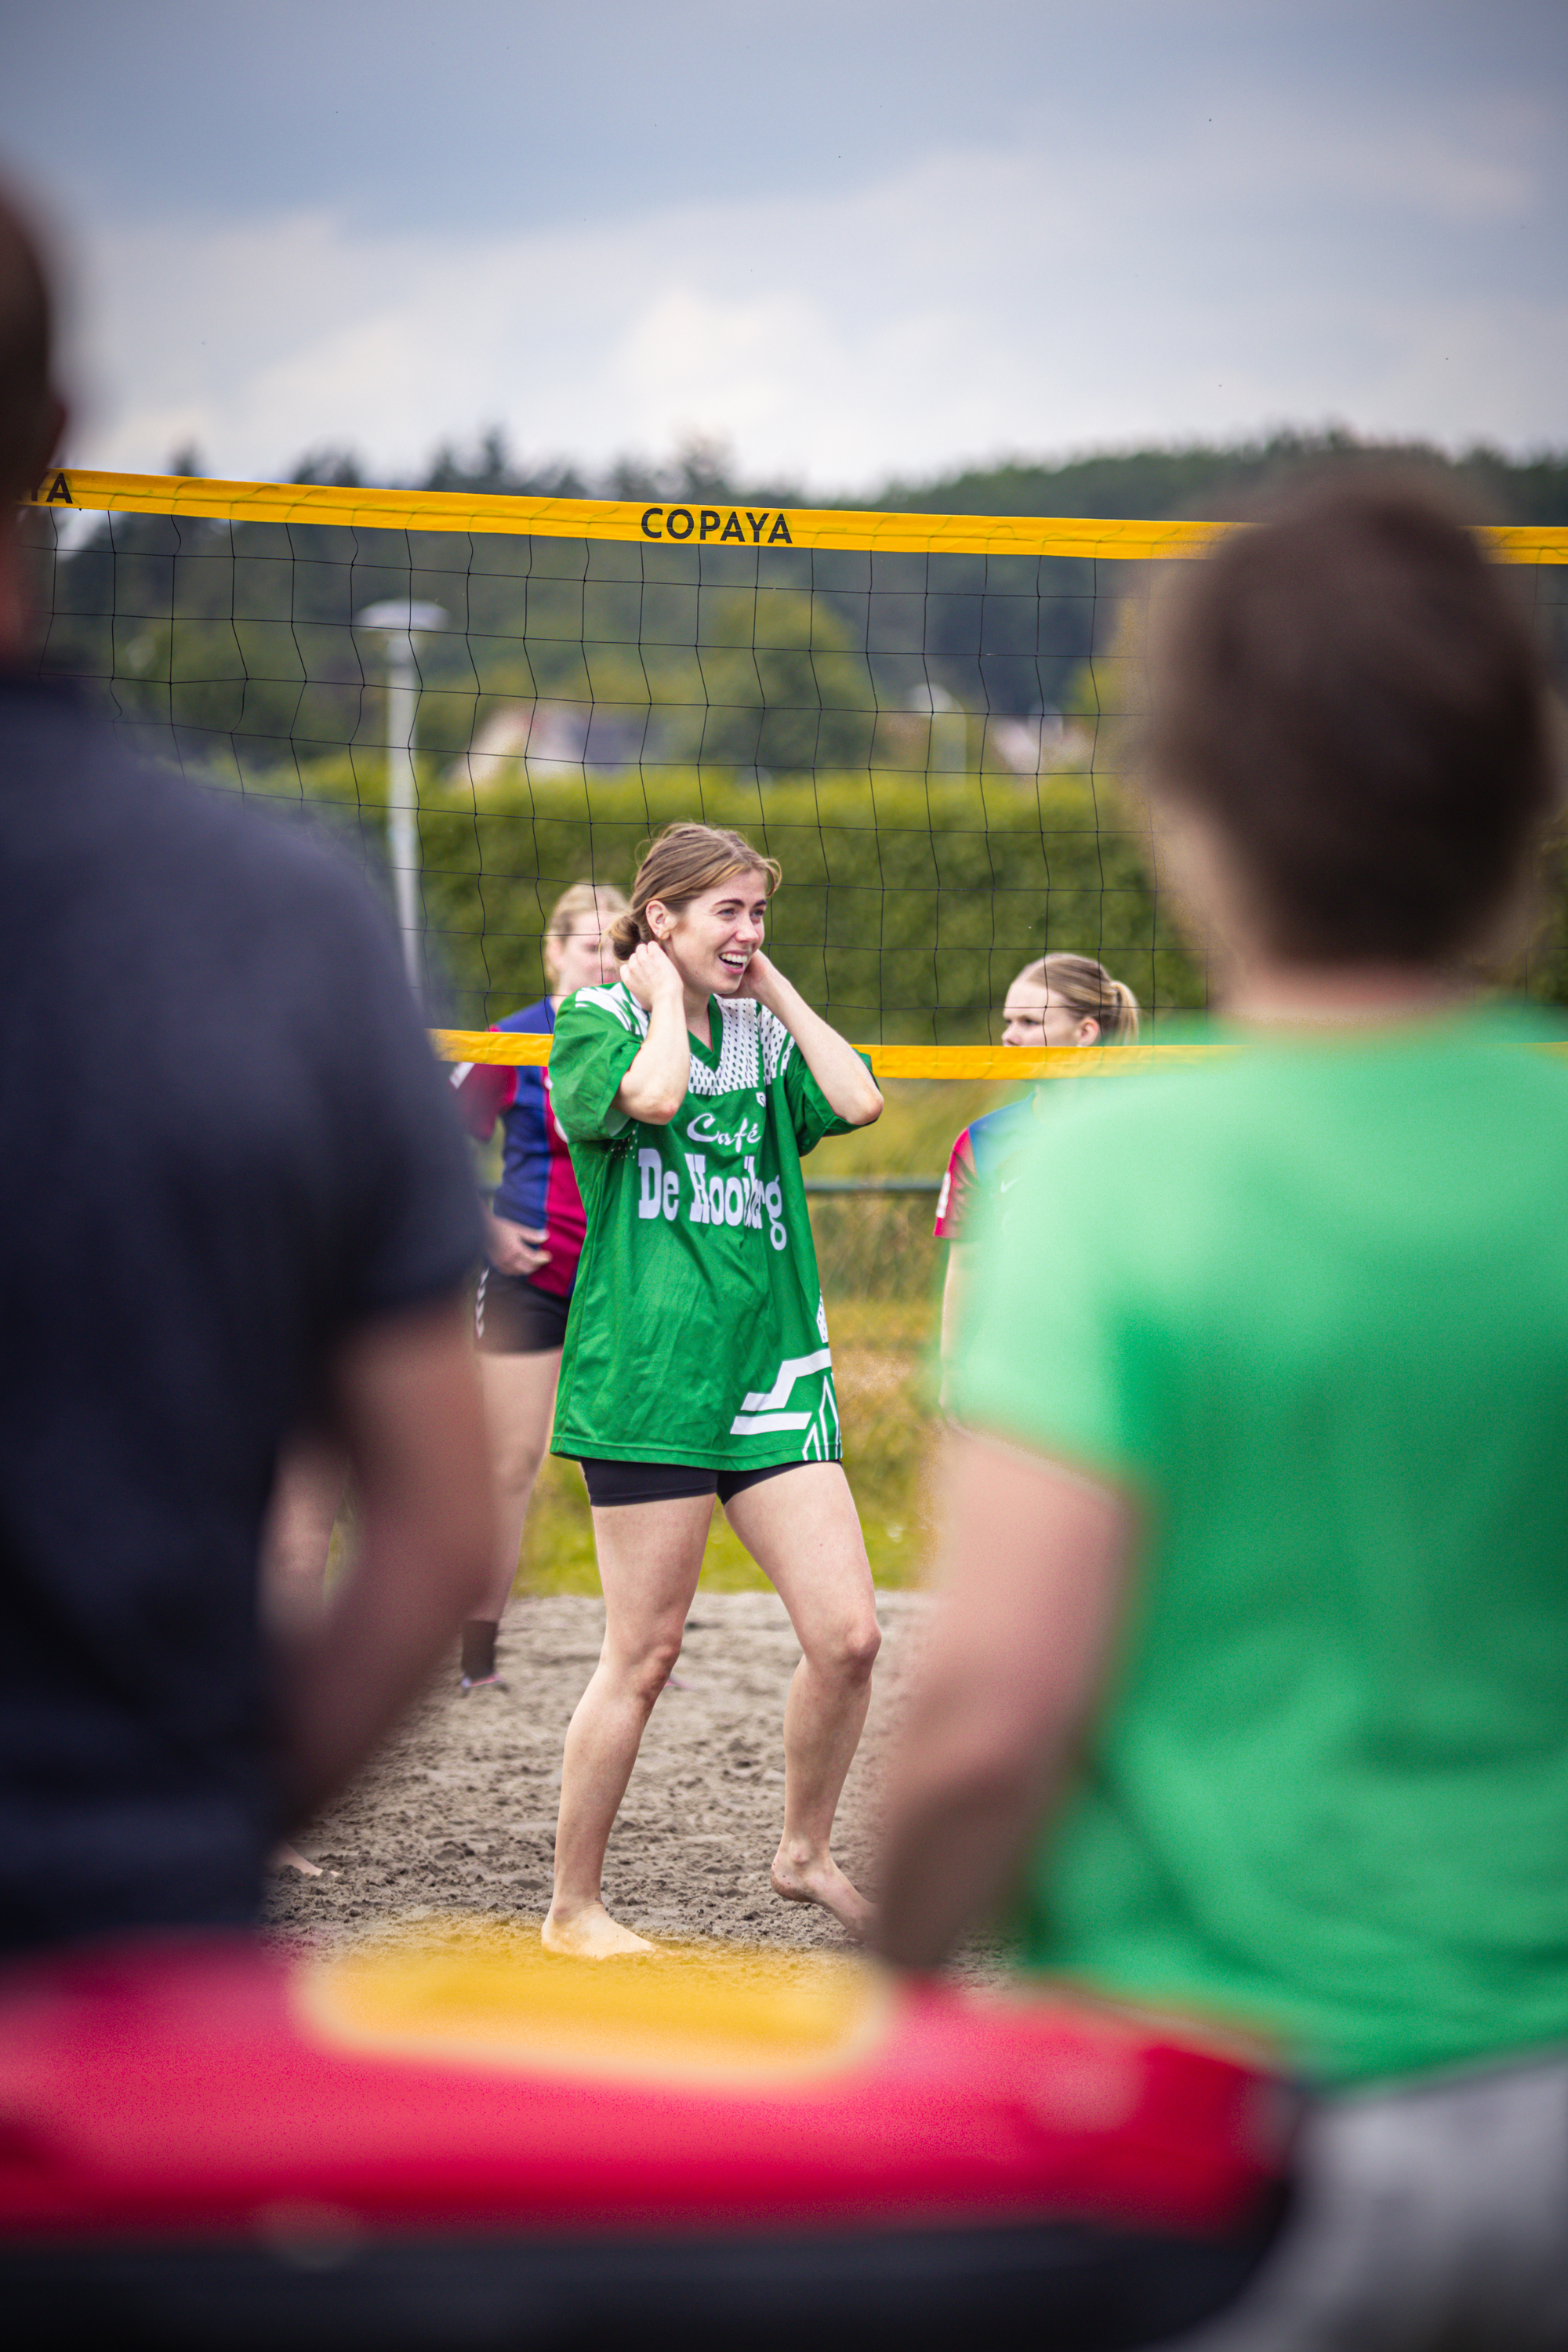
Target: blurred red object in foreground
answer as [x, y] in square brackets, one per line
[463, 2140]
[197, 2085]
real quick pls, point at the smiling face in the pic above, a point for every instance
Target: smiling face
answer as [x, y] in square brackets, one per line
[714, 937]
[1031, 1016]
[581, 957]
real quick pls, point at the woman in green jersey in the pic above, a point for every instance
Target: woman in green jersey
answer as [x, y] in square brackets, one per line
[1248, 1687]
[696, 1360]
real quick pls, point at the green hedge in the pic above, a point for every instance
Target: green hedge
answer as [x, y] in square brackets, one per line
[909, 900]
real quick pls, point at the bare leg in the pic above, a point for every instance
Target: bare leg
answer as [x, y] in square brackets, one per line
[296, 1540]
[803, 1532]
[297, 1536]
[651, 1555]
[519, 1402]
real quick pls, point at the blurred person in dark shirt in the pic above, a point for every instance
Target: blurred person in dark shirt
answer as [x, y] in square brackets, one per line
[257, 1216]
[1251, 1674]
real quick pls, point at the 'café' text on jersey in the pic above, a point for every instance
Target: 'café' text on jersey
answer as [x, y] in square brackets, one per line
[697, 1332]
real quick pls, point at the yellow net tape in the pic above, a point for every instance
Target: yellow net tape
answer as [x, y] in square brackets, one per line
[1001, 1064]
[1004, 1064]
[670, 522]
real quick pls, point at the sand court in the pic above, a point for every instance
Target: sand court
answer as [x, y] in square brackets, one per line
[458, 1812]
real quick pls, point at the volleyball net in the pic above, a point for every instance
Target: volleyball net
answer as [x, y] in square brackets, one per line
[489, 699]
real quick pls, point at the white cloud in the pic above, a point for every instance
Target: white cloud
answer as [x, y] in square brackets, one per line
[970, 303]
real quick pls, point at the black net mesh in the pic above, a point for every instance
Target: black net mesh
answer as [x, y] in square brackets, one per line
[925, 741]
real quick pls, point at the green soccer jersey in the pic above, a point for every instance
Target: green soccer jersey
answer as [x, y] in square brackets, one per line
[697, 1332]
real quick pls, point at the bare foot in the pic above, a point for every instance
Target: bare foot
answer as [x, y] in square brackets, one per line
[592, 1934]
[823, 1882]
[288, 1857]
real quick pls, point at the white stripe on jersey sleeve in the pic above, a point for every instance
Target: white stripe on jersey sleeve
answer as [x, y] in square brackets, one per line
[618, 999]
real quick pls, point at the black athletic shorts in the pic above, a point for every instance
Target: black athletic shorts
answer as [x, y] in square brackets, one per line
[609, 1483]
[513, 1317]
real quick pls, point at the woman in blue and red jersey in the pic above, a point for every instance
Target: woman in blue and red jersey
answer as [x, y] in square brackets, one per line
[1060, 1000]
[534, 1238]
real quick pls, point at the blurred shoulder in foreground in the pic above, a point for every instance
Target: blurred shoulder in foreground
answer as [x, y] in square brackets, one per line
[234, 1199]
[1251, 1679]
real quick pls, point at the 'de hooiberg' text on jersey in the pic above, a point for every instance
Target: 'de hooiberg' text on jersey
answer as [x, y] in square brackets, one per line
[697, 1332]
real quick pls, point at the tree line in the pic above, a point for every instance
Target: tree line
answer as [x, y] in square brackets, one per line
[798, 690]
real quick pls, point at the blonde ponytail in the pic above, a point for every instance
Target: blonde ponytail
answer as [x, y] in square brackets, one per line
[1089, 992]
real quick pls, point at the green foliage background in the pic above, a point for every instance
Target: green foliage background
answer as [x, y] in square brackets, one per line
[844, 707]
[907, 901]
[794, 695]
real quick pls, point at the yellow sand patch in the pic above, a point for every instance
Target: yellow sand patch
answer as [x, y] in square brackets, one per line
[483, 1993]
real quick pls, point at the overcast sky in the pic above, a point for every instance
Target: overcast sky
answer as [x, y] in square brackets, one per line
[848, 237]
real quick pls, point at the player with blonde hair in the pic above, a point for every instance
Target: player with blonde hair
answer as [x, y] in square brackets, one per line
[533, 1233]
[534, 1238]
[1062, 1002]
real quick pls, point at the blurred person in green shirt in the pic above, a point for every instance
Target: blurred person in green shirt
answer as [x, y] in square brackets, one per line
[1250, 1679]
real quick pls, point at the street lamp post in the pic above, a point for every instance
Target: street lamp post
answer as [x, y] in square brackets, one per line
[400, 621]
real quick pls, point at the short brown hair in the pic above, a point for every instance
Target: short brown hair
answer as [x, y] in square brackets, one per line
[30, 413]
[682, 861]
[1350, 693]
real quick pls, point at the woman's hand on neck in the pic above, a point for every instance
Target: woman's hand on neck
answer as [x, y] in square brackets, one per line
[654, 1086]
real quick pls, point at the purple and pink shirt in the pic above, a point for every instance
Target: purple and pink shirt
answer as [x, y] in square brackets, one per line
[538, 1187]
[982, 1161]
